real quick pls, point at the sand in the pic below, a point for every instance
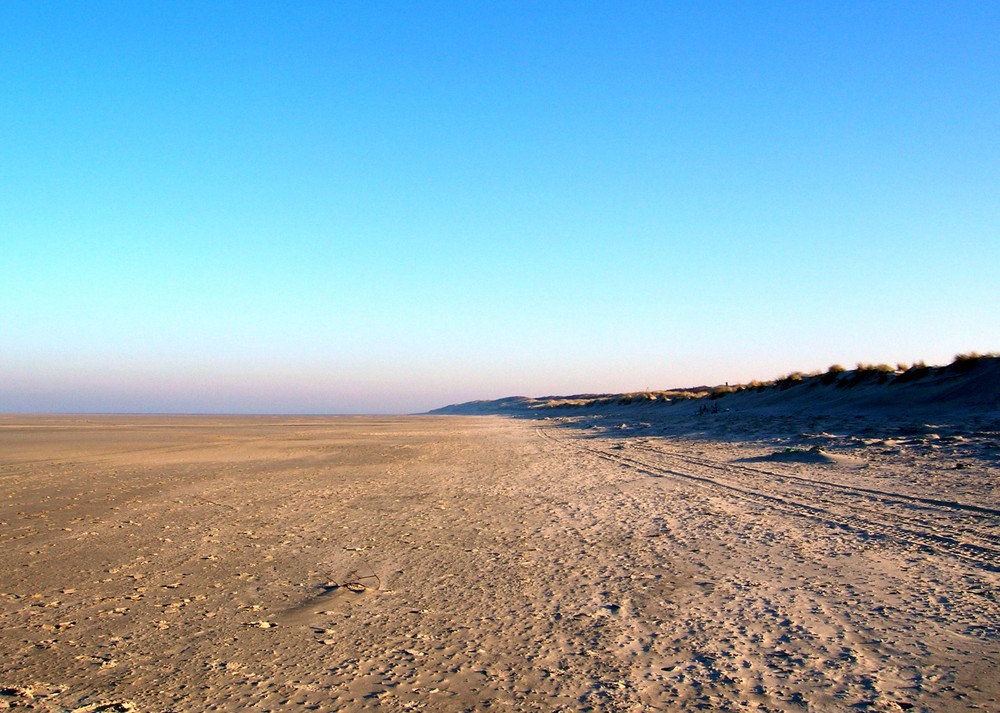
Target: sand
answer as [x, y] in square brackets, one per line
[587, 562]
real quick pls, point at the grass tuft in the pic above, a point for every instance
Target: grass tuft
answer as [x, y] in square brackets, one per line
[967, 362]
[832, 374]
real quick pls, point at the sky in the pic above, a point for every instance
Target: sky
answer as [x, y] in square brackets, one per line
[380, 207]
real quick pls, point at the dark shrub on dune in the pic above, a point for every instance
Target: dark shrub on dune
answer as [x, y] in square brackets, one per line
[879, 373]
[787, 382]
[719, 391]
[832, 374]
[918, 371]
[965, 363]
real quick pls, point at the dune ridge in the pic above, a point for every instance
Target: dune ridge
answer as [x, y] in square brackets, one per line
[971, 382]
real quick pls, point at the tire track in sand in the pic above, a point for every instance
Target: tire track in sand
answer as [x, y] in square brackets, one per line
[823, 507]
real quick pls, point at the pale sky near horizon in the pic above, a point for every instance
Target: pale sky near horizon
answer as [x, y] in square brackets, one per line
[387, 207]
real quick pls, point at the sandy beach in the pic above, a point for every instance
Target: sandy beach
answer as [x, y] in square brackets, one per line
[490, 357]
[590, 562]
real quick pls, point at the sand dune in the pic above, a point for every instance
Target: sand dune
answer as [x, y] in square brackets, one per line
[609, 559]
[967, 386]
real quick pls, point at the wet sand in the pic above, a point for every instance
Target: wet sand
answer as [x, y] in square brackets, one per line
[469, 563]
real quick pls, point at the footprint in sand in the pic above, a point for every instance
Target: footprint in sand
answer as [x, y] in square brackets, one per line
[332, 598]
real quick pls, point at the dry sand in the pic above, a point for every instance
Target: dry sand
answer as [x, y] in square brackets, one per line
[463, 563]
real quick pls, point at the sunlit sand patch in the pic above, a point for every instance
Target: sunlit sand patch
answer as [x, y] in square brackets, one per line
[459, 564]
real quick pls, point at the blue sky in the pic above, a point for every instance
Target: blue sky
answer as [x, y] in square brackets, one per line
[387, 207]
